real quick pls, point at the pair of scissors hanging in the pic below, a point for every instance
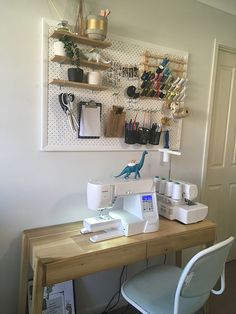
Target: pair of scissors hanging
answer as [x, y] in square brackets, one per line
[66, 102]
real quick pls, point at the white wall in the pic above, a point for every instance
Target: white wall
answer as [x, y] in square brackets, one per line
[38, 188]
[228, 6]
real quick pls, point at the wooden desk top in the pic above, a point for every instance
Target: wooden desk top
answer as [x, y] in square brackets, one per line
[60, 253]
[61, 242]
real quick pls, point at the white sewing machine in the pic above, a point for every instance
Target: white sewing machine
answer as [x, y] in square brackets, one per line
[182, 209]
[138, 214]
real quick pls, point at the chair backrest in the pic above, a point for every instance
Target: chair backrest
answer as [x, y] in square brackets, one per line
[202, 271]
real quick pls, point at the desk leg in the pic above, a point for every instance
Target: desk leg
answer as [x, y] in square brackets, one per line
[24, 267]
[38, 288]
[178, 258]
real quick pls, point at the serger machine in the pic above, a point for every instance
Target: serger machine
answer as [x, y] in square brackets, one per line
[175, 201]
[138, 214]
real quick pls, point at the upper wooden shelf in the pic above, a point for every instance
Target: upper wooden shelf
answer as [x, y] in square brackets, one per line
[78, 85]
[86, 63]
[82, 40]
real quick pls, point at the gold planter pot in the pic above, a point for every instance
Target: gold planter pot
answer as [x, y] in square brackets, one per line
[96, 27]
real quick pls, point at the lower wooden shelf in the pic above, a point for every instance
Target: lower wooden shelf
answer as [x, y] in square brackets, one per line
[152, 98]
[78, 85]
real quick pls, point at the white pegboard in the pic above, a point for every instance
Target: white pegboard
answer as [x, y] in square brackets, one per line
[56, 133]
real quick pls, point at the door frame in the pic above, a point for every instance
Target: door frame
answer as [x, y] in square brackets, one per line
[216, 47]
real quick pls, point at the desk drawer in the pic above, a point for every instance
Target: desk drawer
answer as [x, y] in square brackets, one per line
[73, 268]
[181, 241]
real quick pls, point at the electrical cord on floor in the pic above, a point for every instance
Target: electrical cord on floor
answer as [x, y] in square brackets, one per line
[126, 309]
[124, 270]
[108, 308]
[164, 259]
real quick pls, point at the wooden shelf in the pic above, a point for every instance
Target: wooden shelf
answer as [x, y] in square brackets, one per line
[78, 85]
[151, 98]
[89, 64]
[82, 40]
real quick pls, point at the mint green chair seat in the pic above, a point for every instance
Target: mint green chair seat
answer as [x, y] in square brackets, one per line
[172, 290]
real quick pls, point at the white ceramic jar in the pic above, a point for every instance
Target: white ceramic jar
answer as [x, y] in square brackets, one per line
[95, 78]
[58, 49]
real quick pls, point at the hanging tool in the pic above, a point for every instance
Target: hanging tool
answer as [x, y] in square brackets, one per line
[66, 103]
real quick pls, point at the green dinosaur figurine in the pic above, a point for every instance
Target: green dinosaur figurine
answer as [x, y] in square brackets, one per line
[136, 167]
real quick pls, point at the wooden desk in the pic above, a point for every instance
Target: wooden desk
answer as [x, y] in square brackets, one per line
[59, 253]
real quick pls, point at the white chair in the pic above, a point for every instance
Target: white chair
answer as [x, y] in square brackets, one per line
[172, 290]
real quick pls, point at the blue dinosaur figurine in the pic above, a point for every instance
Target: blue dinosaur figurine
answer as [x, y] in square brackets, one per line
[133, 168]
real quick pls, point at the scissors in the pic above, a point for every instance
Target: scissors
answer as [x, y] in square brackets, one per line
[66, 102]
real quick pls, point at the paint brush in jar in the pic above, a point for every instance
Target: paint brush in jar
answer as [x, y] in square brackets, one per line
[107, 12]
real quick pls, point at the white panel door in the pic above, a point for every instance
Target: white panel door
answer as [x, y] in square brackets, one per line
[220, 191]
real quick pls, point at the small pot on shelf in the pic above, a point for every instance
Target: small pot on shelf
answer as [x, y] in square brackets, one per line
[75, 74]
[58, 49]
[95, 77]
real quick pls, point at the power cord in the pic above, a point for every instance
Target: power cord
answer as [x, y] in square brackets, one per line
[126, 309]
[124, 270]
[164, 259]
[108, 308]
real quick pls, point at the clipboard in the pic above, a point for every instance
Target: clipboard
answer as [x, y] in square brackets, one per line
[89, 116]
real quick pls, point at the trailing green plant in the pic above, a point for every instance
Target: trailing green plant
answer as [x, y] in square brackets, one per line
[72, 50]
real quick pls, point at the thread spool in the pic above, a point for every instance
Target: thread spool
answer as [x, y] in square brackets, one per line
[176, 191]
[162, 186]
[157, 180]
[168, 188]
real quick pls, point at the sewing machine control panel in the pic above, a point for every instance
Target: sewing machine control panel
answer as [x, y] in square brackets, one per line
[147, 202]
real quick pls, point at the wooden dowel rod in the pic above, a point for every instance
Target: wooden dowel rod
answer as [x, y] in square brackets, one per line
[172, 59]
[152, 65]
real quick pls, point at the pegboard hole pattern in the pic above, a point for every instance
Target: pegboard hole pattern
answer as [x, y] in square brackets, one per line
[123, 52]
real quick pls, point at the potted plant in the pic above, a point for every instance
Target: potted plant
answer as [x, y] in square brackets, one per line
[73, 54]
